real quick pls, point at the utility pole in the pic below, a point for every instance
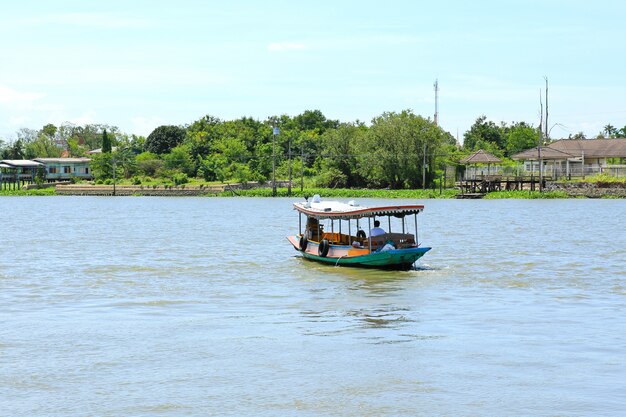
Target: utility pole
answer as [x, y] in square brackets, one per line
[436, 85]
[546, 127]
[539, 144]
[289, 186]
[302, 168]
[424, 168]
[274, 133]
[114, 180]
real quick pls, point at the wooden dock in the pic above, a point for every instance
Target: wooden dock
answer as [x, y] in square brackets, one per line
[490, 183]
[470, 196]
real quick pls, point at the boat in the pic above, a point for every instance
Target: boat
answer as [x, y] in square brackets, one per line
[341, 234]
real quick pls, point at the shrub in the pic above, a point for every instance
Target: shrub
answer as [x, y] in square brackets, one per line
[180, 178]
[149, 163]
[331, 178]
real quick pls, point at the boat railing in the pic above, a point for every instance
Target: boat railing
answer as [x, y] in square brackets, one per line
[399, 240]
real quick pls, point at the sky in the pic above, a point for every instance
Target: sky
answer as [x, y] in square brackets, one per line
[139, 64]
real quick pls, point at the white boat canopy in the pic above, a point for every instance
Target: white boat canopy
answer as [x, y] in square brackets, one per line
[344, 211]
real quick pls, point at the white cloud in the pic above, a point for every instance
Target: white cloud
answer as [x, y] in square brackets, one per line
[18, 120]
[144, 126]
[87, 117]
[346, 43]
[12, 97]
[109, 21]
[285, 46]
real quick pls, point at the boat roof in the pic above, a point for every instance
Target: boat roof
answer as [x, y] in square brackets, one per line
[321, 209]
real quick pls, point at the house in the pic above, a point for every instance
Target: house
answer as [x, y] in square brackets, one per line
[99, 150]
[58, 169]
[577, 157]
[23, 168]
[16, 171]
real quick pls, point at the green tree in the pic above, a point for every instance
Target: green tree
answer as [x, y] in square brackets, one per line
[180, 159]
[579, 135]
[610, 130]
[163, 139]
[481, 132]
[42, 147]
[125, 161]
[136, 144]
[521, 136]
[102, 166]
[330, 177]
[106, 142]
[40, 175]
[200, 136]
[213, 167]
[393, 152]
[74, 149]
[89, 135]
[340, 147]
[315, 120]
[15, 150]
[49, 130]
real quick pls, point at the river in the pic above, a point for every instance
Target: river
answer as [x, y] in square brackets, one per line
[146, 306]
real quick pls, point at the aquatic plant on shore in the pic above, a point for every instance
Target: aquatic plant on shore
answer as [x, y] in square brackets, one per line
[347, 193]
[33, 192]
[526, 195]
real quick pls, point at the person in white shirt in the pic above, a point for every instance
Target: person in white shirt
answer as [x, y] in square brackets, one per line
[377, 230]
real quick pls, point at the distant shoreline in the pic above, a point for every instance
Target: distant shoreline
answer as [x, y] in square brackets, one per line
[555, 190]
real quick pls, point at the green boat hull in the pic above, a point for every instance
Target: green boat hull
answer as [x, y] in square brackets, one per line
[400, 259]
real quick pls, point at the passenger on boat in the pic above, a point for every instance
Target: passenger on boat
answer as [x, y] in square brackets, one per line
[388, 246]
[377, 230]
[313, 228]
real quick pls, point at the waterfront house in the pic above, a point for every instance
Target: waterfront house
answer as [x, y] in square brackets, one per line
[99, 150]
[22, 168]
[16, 171]
[577, 157]
[59, 169]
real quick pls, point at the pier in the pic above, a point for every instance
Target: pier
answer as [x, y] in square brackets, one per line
[479, 185]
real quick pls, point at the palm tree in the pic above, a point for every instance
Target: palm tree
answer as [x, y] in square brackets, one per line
[610, 130]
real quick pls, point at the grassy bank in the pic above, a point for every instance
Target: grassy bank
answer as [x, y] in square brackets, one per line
[42, 191]
[346, 193]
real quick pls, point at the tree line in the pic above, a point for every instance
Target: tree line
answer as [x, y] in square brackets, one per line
[396, 150]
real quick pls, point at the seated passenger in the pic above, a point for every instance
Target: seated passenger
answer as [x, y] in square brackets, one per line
[313, 228]
[388, 246]
[377, 230]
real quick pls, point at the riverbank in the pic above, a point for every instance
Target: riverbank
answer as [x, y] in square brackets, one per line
[553, 190]
[589, 189]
